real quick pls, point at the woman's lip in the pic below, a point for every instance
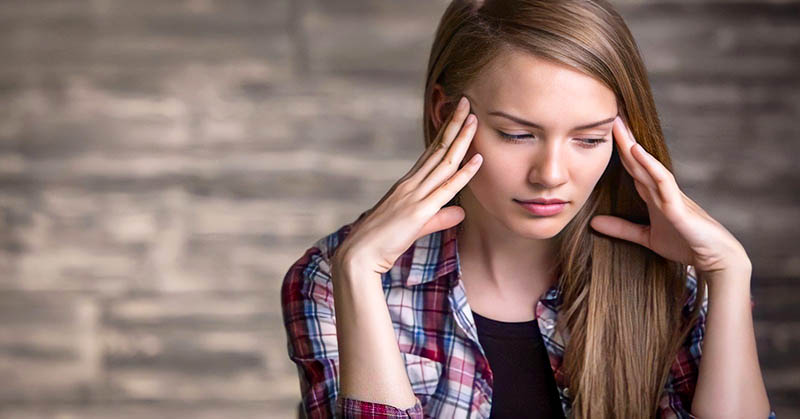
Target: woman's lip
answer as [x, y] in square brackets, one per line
[546, 202]
[543, 209]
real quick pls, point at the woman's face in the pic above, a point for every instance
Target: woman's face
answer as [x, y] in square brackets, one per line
[561, 154]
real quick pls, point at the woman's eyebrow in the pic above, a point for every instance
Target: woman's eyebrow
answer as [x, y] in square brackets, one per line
[535, 125]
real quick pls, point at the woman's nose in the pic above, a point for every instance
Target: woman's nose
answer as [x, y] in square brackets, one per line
[549, 167]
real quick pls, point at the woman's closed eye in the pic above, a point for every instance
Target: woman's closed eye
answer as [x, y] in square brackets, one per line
[587, 142]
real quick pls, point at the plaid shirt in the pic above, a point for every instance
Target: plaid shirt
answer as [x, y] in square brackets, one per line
[436, 334]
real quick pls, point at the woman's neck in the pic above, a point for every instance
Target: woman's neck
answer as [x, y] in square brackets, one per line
[500, 259]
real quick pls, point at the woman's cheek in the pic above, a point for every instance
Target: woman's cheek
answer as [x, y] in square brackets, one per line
[589, 171]
[490, 178]
[598, 163]
[480, 177]
[488, 147]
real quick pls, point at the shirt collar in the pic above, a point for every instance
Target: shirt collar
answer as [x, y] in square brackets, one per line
[436, 255]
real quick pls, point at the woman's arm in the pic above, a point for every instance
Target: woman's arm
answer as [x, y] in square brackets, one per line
[310, 323]
[371, 366]
[730, 383]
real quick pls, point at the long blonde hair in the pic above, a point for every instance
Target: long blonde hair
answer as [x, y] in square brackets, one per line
[621, 303]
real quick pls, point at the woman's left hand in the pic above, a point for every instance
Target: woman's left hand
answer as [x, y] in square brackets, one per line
[679, 229]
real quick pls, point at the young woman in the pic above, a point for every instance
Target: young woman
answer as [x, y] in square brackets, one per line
[539, 259]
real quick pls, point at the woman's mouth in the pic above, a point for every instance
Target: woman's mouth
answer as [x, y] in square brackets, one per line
[542, 209]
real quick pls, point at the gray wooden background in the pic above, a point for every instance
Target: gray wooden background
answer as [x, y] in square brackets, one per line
[163, 162]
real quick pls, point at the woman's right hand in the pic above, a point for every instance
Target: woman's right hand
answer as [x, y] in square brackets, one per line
[412, 208]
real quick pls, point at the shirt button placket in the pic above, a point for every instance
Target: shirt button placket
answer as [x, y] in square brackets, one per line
[485, 406]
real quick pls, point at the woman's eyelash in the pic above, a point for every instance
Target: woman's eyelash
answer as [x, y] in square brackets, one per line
[590, 142]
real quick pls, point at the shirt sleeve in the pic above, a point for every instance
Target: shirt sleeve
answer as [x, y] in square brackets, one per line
[310, 323]
[679, 390]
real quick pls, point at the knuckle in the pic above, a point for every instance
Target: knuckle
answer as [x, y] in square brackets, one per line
[396, 185]
[447, 185]
[403, 187]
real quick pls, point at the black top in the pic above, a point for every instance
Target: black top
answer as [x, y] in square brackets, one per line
[524, 386]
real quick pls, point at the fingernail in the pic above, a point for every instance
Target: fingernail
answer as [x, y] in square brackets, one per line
[477, 158]
[618, 121]
[462, 102]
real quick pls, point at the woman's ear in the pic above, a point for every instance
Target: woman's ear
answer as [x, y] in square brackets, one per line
[442, 106]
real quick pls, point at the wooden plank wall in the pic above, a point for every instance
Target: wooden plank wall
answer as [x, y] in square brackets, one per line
[162, 163]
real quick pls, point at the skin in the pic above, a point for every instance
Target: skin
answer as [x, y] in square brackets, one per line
[507, 251]
[729, 384]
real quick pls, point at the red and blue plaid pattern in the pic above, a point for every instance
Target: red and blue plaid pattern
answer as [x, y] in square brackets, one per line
[436, 334]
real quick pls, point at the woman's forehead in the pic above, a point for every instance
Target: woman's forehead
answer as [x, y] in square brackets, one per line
[529, 83]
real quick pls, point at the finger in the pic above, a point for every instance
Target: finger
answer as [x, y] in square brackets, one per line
[431, 148]
[449, 164]
[454, 126]
[622, 229]
[647, 171]
[440, 145]
[649, 195]
[447, 190]
[445, 218]
[665, 185]
[625, 142]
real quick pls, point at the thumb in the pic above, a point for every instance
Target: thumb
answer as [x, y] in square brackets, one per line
[621, 228]
[445, 218]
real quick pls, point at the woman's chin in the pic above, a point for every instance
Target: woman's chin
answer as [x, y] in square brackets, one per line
[539, 228]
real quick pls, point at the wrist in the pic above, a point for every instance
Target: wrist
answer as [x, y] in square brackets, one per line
[733, 276]
[736, 259]
[732, 261]
[348, 267]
